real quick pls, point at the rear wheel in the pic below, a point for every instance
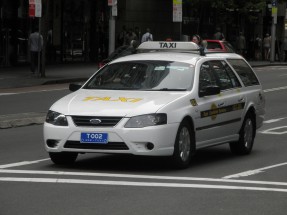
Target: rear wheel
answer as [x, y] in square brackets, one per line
[63, 157]
[184, 146]
[246, 137]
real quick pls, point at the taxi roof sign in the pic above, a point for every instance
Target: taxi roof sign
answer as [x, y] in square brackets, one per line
[164, 45]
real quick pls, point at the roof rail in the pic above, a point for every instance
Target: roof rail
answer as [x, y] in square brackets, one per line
[169, 46]
[220, 52]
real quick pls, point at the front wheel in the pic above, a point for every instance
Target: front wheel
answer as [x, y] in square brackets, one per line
[246, 137]
[63, 158]
[184, 146]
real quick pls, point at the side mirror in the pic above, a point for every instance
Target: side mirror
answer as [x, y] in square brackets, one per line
[74, 86]
[209, 91]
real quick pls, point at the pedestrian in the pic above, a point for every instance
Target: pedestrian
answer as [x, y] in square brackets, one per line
[278, 50]
[218, 34]
[241, 44]
[201, 44]
[147, 36]
[267, 46]
[285, 48]
[138, 33]
[130, 36]
[35, 46]
[168, 38]
[258, 47]
[122, 36]
[133, 45]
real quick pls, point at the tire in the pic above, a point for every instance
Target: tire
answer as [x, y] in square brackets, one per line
[246, 137]
[184, 146]
[63, 158]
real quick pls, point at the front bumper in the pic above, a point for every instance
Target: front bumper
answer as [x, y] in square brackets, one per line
[121, 140]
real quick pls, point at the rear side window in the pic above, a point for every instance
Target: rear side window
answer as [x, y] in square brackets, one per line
[244, 71]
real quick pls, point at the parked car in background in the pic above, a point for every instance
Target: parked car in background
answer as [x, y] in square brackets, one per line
[219, 46]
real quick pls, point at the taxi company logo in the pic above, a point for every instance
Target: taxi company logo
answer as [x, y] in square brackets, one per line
[214, 111]
[95, 121]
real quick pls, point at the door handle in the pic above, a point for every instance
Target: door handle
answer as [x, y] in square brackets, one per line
[241, 100]
[220, 104]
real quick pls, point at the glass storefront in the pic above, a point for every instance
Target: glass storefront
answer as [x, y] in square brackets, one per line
[76, 31]
[14, 34]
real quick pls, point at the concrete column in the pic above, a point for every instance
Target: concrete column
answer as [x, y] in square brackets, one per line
[112, 32]
[273, 37]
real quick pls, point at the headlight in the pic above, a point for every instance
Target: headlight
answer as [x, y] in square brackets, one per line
[56, 118]
[146, 120]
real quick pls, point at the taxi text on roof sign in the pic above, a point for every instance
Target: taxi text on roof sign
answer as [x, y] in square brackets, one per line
[160, 45]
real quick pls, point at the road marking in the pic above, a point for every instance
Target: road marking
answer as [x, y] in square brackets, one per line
[253, 172]
[274, 120]
[275, 89]
[21, 163]
[7, 94]
[273, 130]
[36, 91]
[226, 179]
[155, 177]
[139, 184]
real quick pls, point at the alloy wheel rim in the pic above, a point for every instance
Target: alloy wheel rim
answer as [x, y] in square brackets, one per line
[248, 133]
[184, 144]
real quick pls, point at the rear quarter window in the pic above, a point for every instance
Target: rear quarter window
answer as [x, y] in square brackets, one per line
[244, 71]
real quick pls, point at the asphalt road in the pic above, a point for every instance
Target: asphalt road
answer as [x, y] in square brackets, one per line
[217, 182]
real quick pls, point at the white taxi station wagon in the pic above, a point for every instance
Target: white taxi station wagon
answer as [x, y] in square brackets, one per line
[168, 100]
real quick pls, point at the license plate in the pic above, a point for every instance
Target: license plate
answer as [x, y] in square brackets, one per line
[101, 138]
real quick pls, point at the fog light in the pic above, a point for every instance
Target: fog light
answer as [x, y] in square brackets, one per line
[52, 143]
[149, 146]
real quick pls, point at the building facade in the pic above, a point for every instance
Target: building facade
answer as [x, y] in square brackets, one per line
[78, 30]
[73, 30]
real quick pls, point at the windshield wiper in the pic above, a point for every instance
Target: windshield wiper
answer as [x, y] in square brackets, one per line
[115, 88]
[168, 89]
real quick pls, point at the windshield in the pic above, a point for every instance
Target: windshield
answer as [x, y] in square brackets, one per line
[144, 75]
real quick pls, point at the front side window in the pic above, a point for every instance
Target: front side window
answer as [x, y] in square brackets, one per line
[244, 71]
[206, 77]
[143, 75]
[225, 77]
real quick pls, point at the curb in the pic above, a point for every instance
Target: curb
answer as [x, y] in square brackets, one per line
[22, 119]
[62, 81]
[269, 64]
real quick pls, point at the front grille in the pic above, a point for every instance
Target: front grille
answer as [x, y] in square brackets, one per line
[86, 121]
[107, 146]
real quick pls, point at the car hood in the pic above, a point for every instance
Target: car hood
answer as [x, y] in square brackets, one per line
[114, 103]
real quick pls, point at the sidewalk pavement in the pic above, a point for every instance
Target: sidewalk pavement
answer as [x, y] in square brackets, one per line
[18, 77]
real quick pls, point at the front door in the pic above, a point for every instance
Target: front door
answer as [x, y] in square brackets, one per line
[219, 116]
